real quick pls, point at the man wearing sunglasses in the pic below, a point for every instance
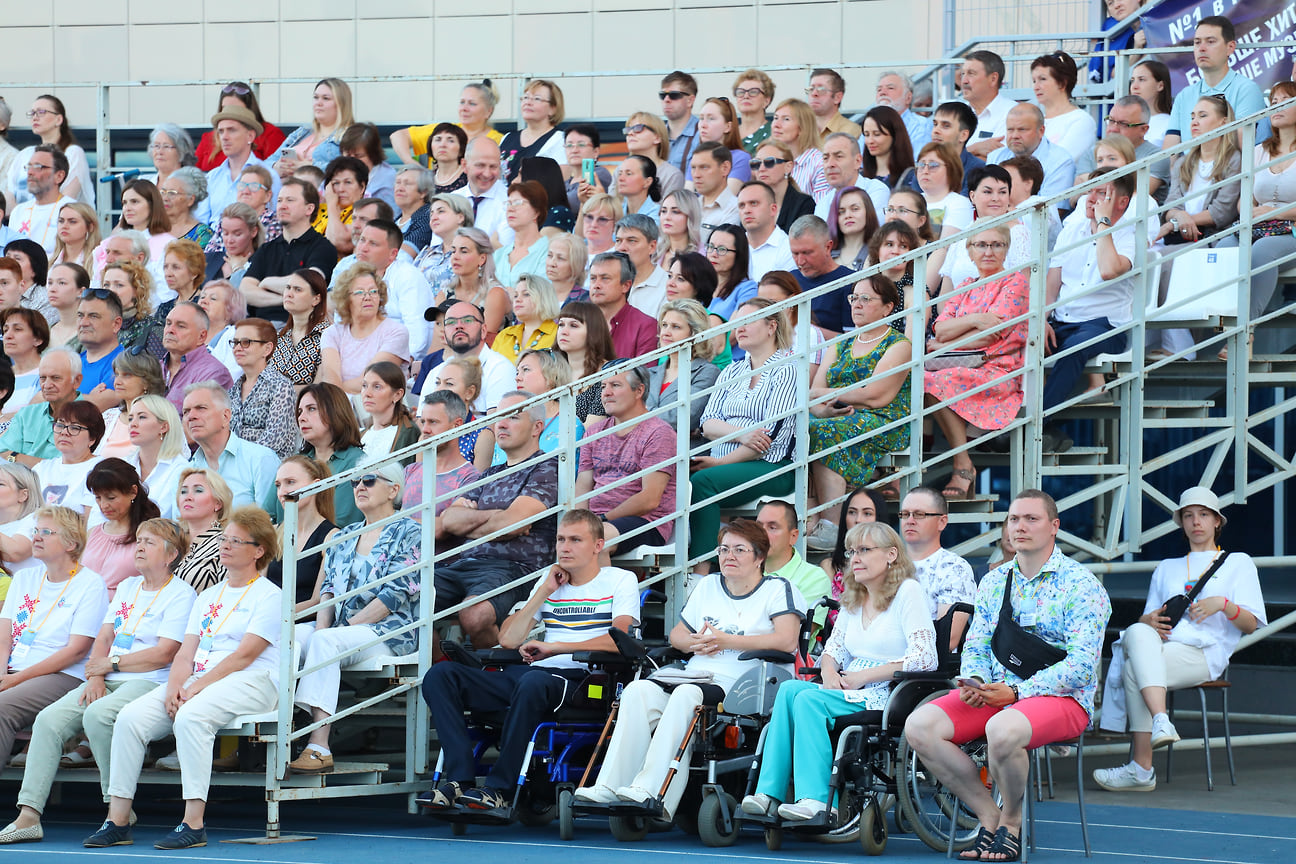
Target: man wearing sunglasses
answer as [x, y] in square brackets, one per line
[30, 436]
[677, 94]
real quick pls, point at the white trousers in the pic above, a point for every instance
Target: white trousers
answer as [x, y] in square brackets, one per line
[195, 727]
[1150, 662]
[319, 689]
[640, 756]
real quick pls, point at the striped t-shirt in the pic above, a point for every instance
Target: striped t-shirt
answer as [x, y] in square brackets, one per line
[578, 613]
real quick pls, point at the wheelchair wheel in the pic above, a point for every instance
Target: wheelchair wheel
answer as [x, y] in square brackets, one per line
[711, 825]
[931, 810]
[773, 838]
[902, 823]
[566, 818]
[628, 829]
[534, 808]
[873, 829]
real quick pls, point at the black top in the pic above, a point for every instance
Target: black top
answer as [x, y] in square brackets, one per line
[795, 205]
[513, 151]
[830, 311]
[280, 257]
[307, 568]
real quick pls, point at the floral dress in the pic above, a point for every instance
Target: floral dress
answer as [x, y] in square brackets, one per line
[396, 549]
[856, 462]
[994, 407]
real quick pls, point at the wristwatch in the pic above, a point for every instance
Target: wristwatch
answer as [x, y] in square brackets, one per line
[1012, 687]
[114, 660]
[1104, 221]
[1174, 223]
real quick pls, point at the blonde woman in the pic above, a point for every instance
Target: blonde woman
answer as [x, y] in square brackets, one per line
[646, 135]
[319, 142]
[680, 218]
[597, 224]
[204, 502]
[78, 236]
[160, 453]
[794, 125]
[535, 307]
[565, 269]
[1202, 213]
[473, 264]
[541, 111]
[678, 321]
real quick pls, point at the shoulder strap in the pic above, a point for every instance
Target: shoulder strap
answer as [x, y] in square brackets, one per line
[1005, 608]
[1210, 571]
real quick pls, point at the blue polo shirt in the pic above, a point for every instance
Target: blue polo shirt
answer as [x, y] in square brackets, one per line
[98, 372]
[1241, 92]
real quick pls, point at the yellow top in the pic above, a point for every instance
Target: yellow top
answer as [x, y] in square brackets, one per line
[421, 135]
[509, 340]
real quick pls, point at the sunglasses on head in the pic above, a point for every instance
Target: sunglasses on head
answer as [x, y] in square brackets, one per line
[235, 90]
[96, 294]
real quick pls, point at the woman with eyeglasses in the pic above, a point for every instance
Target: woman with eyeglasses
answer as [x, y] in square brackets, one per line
[472, 261]
[680, 218]
[297, 353]
[677, 321]
[884, 627]
[49, 123]
[1150, 79]
[391, 428]
[412, 191]
[739, 609]
[979, 313]
[365, 334]
[861, 505]
[170, 148]
[78, 429]
[541, 112]
[204, 502]
[20, 496]
[646, 135]
[851, 223]
[51, 616]
[446, 215]
[525, 212]
[227, 665]
[535, 307]
[910, 207]
[940, 174]
[753, 93]
[362, 561]
[462, 376]
[224, 305]
[242, 234]
[990, 191]
[565, 269]
[795, 127]
[597, 224]
[638, 187]
[1067, 125]
[331, 435]
[773, 165]
[131, 656]
[319, 142]
[122, 506]
[261, 398]
[718, 121]
[888, 153]
[316, 523]
[209, 153]
[585, 342]
[184, 197]
[729, 254]
[159, 451]
[26, 336]
[78, 237]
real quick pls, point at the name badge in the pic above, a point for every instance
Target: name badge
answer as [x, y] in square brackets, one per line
[203, 653]
[25, 641]
[123, 641]
[1028, 620]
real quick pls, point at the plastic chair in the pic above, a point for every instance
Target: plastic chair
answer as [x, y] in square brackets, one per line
[1221, 686]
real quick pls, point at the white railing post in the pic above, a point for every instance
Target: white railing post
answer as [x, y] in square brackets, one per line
[801, 341]
[1032, 381]
[1238, 368]
[103, 156]
[676, 587]
[281, 753]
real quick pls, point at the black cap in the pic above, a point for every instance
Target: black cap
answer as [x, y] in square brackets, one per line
[438, 311]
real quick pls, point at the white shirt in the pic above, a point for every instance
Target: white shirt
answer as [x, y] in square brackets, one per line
[21, 528]
[141, 618]
[993, 121]
[579, 613]
[774, 254]
[64, 484]
[878, 192]
[953, 210]
[39, 221]
[163, 482]
[490, 212]
[723, 212]
[903, 632]
[1080, 273]
[498, 377]
[648, 295]
[227, 614]
[752, 614]
[1075, 132]
[946, 578]
[54, 612]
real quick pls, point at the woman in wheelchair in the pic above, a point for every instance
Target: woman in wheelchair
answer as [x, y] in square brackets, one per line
[1158, 652]
[884, 627]
[739, 609]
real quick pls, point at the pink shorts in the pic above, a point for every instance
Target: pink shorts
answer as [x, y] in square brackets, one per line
[1052, 718]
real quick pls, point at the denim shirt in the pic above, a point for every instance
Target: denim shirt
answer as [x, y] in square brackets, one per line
[397, 548]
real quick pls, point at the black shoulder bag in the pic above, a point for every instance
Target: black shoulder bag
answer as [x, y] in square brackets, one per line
[1176, 606]
[1020, 651]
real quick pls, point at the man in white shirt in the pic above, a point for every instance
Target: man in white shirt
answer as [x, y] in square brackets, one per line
[981, 78]
[841, 162]
[465, 328]
[896, 90]
[408, 293]
[637, 236]
[711, 164]
[1025, 137]
[946, 577]
[37, 217]
[487, 194]
[769, 244]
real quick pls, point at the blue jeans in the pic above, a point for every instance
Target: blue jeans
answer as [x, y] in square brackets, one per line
[1063, 376]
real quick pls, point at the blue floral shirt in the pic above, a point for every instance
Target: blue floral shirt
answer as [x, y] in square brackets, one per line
[396, 549]
[1071, 609]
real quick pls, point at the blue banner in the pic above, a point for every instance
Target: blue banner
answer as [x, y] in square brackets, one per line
[1173, 22]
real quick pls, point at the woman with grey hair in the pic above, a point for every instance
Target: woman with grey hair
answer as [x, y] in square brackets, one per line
[184, 196]
[241, 234]
[19, 497]
[413, 191]
[446, 215]
[170, 148]
[225, 305]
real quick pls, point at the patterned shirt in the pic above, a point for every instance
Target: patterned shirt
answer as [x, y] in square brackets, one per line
[298, 362]
[434, 263]
[396, 549]
[538, 479]
[1070, 608]
[201, 568]
[268, 415]
[947, 579]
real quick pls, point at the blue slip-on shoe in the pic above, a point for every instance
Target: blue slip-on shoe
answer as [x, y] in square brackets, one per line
[183, 837]
[110, 834]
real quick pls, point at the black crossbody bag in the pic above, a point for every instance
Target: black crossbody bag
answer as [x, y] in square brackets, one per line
[1176, 606]
[1020, 651]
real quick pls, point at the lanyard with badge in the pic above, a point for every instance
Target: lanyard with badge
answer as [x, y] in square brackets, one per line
[27, 638]
[122, 641]
[211, 626]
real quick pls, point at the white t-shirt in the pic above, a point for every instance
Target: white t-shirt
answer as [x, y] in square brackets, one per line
[39, 221]
[579, 613]
[163, 482]
[1236, 580]
[1075, 132]
[954, 210]
[21, 527]
[902, 633]
[498, 377]
[46, 614]
[946, 578]
[752, 614]
[141, 618]
[1194, 204]
[227, 614]
[64, 484]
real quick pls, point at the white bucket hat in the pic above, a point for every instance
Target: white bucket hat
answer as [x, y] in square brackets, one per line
[1202, 497]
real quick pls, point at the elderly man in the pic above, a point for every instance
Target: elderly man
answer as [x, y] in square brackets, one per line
[488, 195]
[249, 468]
[980, 80]
[579, 601]
[758, 211]
[1129, 117]
[841, 161]
[465, 330]
[409, 296]
[611, 275]
[1017, 692]
[508, 503]
[783, 527]
[711, 164]
[129, 245]
[896, 90]
[678, 92]
[1025, 137]
[188, 359]
[30, 436]
[812, 251]
[637, 236]
[636, 444]
[946, 577]
[825, 94]
[1214, 40]
[99, 321]
[300, 246]
[440, 411]
[236, 129]
[37, 217]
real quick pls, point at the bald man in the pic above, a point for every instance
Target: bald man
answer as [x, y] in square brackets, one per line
[1025, 137]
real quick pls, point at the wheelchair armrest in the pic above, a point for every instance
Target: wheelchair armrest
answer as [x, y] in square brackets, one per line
[500, 657]
[828, 603]
[652, 595]
[630, 648]
[769, 656]
[667, 654]
[602, 658]
[935, 675]
[814, 671]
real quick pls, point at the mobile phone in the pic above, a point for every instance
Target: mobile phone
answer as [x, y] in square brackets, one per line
[839, 404]
[969, 682]
[587, 169]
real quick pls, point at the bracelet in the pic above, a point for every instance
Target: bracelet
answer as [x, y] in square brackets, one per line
[1016, 694]
[1235, 614]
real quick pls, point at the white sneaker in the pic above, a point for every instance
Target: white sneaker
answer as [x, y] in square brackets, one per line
[595, 795]
[168, 763]
[1123, 779]
[823, 538]
[1163, 732]
[759, 804]
[803, 810]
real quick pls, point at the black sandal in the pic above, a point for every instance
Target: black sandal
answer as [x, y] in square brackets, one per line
[1006, 844]
[983, 843]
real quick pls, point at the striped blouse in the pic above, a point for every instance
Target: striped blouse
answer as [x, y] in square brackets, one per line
[741, 405]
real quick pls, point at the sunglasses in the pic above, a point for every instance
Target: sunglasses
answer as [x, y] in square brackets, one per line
[235, 90]
[96, 294]
[366, 480]
[672, 94]
[767, 163]
[634, 128]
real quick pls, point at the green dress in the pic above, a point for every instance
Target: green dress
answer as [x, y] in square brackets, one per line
[856, 462]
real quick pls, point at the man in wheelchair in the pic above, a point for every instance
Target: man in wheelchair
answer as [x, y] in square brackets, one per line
[578, 603]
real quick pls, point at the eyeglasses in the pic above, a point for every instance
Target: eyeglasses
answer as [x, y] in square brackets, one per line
[365, 292]
[896, 210]
[916, 515]
[856, 553]
[39, 112]
[576, 145]
[672, 94]
[718, 250]
[235, 90]
[633, 128]
[930, 166]
[819, 90]
[158, 147]
[767, 163]
[227, 540]
[366, 480]
[96, 294]
[43, 532]
[1112, 121]
[171, 193]
[996, 246]
[861, 299]
[597, 220]
[722, 550]
[70, 428]
[514, 203]
[244, 185]
[461, 322]
[38, 166]
[743, 92]
[528, 97]
[244, 343]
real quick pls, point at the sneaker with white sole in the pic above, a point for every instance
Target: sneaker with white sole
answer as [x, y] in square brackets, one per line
[170, 762]
[1163, 732]
[595, 795]
[823, 537]
[759, 804]
[803, 810]
[1124, 779]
